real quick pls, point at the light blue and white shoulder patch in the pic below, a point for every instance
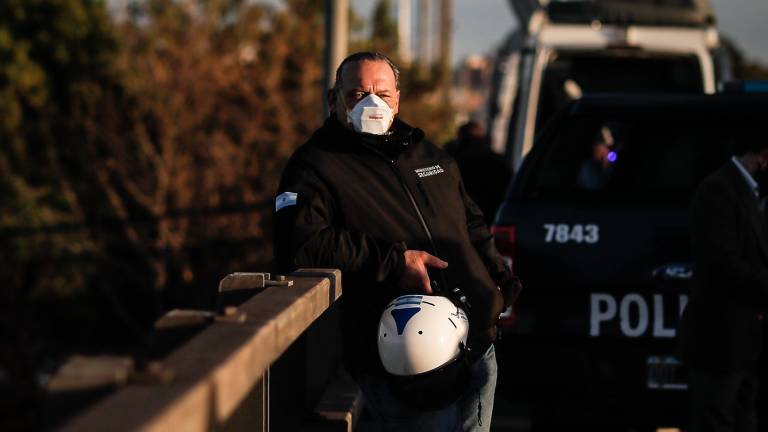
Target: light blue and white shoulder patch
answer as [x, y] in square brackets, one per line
[285, 199]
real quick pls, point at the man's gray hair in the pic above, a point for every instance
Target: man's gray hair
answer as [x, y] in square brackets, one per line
[366, 56]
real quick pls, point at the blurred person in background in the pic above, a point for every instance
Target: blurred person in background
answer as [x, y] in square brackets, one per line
[366, 194]
[486, 174]
[721, 330]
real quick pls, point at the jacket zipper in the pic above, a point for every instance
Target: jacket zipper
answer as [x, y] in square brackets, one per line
[420, 185]
[422, 221]
[415, 206]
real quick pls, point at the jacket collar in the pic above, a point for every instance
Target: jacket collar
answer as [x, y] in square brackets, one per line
[751, 183]
[736, 180]
[400, 137]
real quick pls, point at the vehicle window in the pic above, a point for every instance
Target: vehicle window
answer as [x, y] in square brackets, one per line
[572, 74]
[651, 159]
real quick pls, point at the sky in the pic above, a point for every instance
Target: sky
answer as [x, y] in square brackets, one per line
[744, 21]
[480, 25]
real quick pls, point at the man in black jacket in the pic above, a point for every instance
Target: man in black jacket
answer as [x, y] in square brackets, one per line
[720, 333]
[367, 195]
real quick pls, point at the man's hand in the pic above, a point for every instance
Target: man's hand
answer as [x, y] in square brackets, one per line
[415, 274]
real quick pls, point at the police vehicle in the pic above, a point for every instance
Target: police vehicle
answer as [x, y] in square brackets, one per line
[563, 49]
[596, 226]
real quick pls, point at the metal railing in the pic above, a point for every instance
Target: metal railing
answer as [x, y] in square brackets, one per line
[221, 378]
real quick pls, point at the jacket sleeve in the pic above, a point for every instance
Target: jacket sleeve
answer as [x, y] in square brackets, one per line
[308, 232]
[483, 242]
[718, 235]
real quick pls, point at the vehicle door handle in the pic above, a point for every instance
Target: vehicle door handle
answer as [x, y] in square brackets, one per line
[673, 272]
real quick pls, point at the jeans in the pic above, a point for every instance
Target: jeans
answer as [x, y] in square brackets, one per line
[472, 412]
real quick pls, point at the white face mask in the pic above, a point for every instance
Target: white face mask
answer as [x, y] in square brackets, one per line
[371, 115]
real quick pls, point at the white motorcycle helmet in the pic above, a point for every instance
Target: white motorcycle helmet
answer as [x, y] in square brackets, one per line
[422, 344]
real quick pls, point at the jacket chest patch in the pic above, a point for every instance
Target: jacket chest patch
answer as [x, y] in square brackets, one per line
[429, 171]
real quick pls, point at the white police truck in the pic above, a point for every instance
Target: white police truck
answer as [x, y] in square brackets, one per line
[564, 49]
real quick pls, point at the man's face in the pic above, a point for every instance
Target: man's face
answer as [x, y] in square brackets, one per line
[360, 79]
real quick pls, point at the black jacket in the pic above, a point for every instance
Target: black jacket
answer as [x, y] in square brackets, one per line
[722, 324]
[361, 202]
